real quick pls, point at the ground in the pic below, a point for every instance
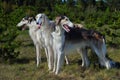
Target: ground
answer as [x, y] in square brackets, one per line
[24, 68]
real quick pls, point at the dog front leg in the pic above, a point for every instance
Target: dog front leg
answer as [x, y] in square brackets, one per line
[46, 52]
[55, 58]
[66, 59]
[60, 60]
[38, 56]
[50, 57]
[55, 55]
[85, 61]
[82, 56]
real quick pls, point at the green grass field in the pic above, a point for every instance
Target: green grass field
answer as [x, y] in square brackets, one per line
[24, 68]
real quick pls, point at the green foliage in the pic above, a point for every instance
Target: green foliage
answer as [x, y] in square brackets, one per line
[101, 16]
[8, 34]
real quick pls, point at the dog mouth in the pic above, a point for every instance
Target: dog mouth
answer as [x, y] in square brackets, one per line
[39, 26]
[24, 27]
[66, 28]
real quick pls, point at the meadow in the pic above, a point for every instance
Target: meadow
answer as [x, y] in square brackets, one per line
[17, 52]
[24, 67]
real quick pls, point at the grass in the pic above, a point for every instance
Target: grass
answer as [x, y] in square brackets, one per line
[24, 68]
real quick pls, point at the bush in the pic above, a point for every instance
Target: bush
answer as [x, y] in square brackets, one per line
[7, 44]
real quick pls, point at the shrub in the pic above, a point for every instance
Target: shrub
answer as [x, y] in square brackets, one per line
[7, 44]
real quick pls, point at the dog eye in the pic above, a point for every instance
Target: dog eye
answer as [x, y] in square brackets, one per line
[41, 17]
[66, 19]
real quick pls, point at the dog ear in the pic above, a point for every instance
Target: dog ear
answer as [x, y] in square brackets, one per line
[34, 18]
[44, 17]
[30, 19]
[57, 20]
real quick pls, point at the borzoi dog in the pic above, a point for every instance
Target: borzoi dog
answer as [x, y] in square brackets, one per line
[67, 37]
[46, 27]
[34, 34]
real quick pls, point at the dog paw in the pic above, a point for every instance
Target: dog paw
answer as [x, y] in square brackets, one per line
[83, 65]
[53, 70]
[56, 73]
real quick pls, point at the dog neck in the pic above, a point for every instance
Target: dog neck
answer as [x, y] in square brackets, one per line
[46, 24]
[59, 30]
[32, 25]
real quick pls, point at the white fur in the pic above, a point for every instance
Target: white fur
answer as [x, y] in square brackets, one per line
[46, 27]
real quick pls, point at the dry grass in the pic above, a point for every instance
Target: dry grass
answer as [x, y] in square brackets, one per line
[24, 68]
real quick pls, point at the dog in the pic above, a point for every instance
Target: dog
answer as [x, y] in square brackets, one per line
[47, 26]
[35, 35]
[67, 38]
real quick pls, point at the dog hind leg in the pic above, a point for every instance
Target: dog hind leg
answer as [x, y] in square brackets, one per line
[102, 58]
[66, 60]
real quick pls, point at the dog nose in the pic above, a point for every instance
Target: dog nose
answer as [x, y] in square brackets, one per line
[37, 23]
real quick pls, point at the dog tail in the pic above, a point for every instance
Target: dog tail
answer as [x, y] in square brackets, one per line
[103, 47]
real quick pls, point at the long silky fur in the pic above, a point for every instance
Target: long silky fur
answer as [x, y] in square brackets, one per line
[78, 38]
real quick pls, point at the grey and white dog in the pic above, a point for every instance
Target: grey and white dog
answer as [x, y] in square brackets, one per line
[35, 35]
[67, 38]
[46, 27]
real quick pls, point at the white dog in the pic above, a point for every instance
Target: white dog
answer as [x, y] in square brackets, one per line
[46, 27]
[35, 35]
[67, 39]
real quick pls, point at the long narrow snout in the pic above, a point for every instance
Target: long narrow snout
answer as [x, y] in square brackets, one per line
[38, 21]
[22, 25]
[19, 24]
[70, 24]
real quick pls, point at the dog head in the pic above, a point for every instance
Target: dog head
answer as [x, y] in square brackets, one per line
[64, 22]
[40, 19]
[23, 23]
